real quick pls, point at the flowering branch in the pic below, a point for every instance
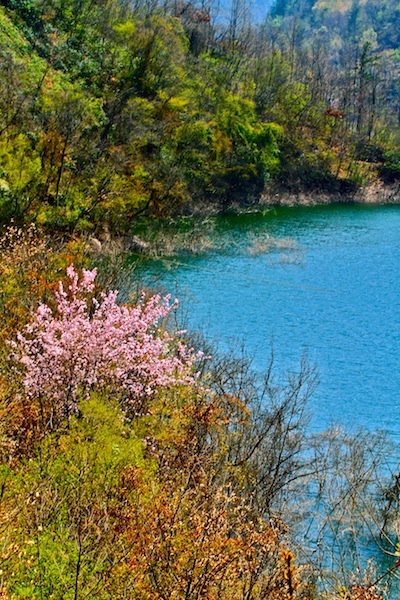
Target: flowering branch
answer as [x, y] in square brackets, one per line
[89, 344]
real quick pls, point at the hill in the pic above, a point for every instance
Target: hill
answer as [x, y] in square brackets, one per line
[111, 112]
[347, 18]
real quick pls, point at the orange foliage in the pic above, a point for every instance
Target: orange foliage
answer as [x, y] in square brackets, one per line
[194, 535]
[361, 592]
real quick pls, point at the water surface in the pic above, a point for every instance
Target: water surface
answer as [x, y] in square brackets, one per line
[328, 284]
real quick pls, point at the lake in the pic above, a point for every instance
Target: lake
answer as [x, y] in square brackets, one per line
[321, 280]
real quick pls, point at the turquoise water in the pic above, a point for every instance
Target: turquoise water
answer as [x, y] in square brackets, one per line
[320, 280]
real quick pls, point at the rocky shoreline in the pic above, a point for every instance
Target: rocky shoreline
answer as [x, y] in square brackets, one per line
[372, 193]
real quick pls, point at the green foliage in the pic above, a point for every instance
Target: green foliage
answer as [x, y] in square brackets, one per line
[111, 123]
[64, 538]
[390, 167]
[109, 112]
[246, 148]
[10, 36]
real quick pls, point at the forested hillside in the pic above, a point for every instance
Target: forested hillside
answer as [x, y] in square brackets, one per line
[114, 110]
[347, 19]
[348, 56]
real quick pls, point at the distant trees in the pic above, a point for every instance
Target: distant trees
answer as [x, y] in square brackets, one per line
[352, 54]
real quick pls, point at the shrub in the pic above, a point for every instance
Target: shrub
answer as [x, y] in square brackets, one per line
[389, 170]
[90, 344]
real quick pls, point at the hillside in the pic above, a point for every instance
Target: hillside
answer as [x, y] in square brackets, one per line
[110, 112]
[347, 18]
[133, 466]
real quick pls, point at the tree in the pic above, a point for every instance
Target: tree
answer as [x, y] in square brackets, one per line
[88, 344]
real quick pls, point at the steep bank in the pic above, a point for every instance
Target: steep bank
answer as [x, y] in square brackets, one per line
[371, 193]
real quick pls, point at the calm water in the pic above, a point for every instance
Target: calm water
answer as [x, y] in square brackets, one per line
[325, 280]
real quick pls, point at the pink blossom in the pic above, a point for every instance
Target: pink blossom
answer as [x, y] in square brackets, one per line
[96, 344]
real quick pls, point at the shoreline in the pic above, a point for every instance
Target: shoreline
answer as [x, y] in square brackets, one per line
[376, 193]
[373, 194]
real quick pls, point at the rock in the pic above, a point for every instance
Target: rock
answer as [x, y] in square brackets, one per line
[138, 245]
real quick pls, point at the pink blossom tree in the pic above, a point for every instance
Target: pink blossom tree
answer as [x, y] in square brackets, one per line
[97, 344]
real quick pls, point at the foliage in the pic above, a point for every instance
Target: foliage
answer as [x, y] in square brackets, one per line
[31, 265]
[88, 344]
[390, 167]
[109, 112]
[197, 493]
[60, 517]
